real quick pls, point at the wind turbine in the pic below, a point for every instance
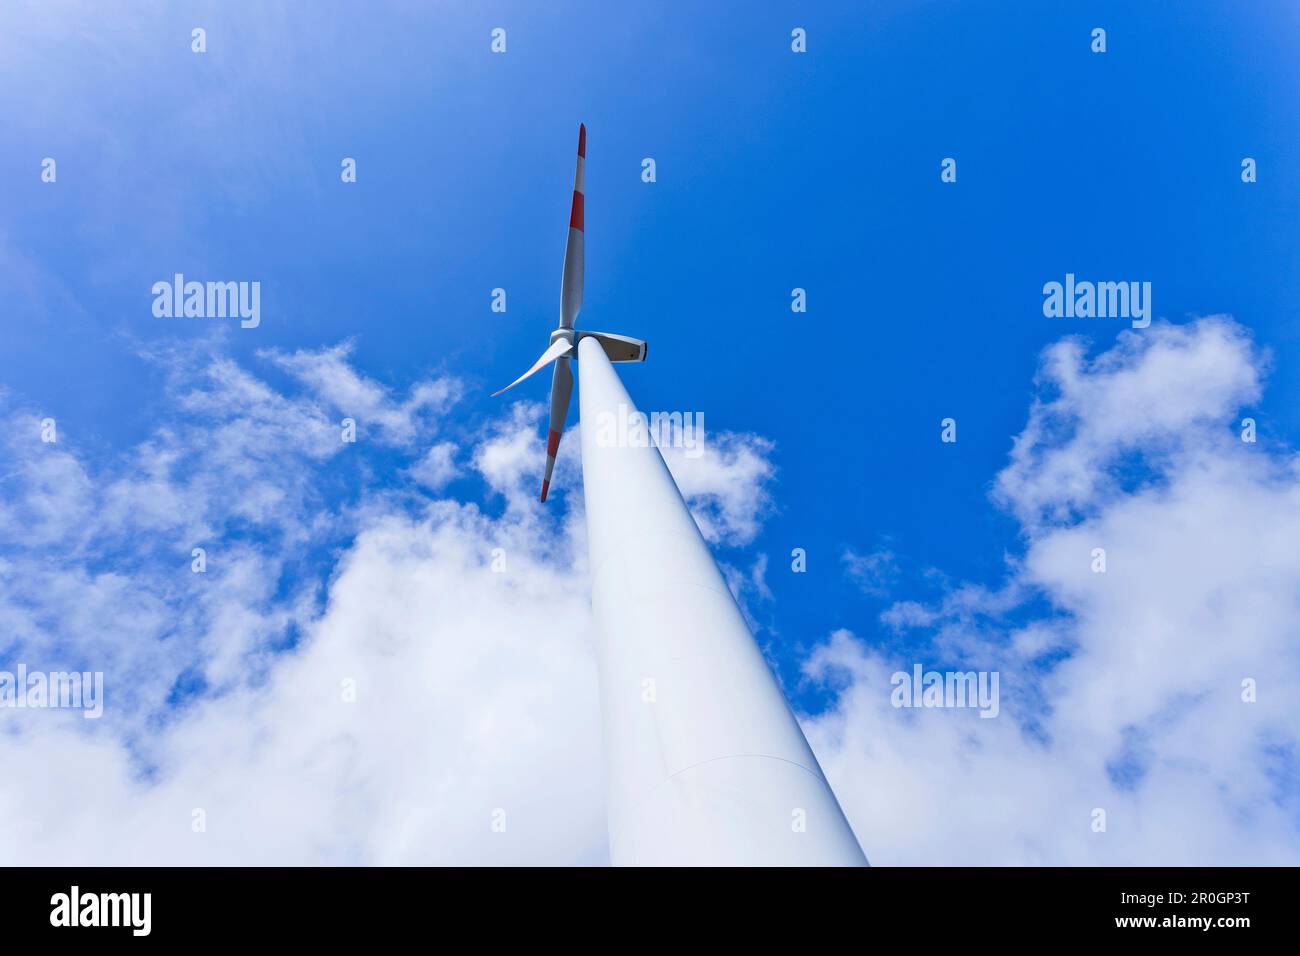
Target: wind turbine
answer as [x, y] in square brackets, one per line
[705, 762]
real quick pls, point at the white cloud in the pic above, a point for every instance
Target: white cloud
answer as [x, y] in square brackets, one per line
[436, 468]
[726, 484]
[512, 456]
[476, 689]
[873, 573]
[1127, 696]
[467, 636]
[1149, 395]
[331, 378]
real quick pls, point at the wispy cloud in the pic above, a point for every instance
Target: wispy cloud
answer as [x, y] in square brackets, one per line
[1123, 689]
[873, 573]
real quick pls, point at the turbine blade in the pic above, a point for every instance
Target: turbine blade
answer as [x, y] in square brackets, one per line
[561, 390]
[558, 347]
[571, 286]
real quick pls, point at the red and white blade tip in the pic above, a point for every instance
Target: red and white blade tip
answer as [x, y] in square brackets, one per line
[578, 214]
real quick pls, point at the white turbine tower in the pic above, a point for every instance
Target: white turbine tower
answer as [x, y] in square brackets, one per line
[705, 762]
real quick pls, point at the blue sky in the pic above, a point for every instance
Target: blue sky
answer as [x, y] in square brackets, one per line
[775, 170]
